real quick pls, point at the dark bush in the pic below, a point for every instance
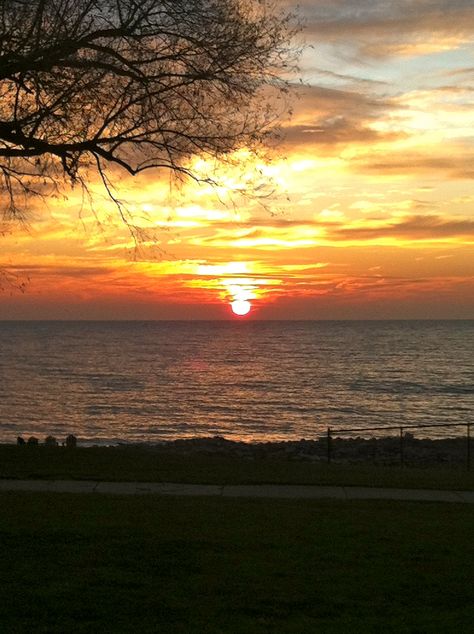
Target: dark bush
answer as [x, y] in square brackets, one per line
[71, 441]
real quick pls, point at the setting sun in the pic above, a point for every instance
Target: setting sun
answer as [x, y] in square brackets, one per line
[236, 244]
[360, 209]
[241, 307]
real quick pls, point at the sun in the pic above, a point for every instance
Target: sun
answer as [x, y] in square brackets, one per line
[241, 307]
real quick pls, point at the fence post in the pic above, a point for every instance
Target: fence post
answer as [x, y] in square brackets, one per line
[329, 444]
[468, 438]
[401, 447]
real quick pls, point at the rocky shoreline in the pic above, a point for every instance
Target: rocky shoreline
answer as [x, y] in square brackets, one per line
[407, 449]
[387, 450]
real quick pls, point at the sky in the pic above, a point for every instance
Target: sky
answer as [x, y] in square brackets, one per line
[366, 210]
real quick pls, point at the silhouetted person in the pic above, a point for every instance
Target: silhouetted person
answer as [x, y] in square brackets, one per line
[32, 440]
[20, 441]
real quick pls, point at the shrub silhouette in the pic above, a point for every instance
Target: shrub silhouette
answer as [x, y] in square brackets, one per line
[71, 441]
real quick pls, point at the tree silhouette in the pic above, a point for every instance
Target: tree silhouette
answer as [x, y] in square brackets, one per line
[93, 85]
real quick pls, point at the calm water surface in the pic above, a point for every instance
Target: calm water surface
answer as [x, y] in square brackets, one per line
[149, 381]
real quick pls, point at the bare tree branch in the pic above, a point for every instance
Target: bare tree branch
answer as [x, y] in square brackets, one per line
[88, 84]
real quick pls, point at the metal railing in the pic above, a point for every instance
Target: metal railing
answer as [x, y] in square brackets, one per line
[332, 434]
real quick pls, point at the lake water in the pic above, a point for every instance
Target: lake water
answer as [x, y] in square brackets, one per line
[109, 382]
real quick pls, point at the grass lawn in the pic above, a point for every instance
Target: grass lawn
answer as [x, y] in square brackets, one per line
[97, 564]
[134, 464]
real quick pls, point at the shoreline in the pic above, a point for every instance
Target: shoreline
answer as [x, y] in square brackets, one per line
[385, 450]
[353, 450]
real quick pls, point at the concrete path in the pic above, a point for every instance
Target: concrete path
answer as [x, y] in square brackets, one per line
[241, 491]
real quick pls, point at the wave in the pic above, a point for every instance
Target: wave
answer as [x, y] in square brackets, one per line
[408, 387]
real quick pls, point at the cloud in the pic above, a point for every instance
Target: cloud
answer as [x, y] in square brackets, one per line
[380, 29]
[280, 234]
[324, 102]
[460, 71]
[454, 165]
[261, 238]
[351, 79]
[330, 117]
[63, 271]
[429, 227]
[334, 132]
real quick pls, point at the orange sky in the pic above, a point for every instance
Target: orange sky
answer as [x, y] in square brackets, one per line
[372, 210]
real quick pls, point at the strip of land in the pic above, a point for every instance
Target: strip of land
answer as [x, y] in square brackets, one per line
[153, 465]
[241, 491]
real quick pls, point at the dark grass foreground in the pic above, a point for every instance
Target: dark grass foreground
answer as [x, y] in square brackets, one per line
[81, 563]
[150, 465]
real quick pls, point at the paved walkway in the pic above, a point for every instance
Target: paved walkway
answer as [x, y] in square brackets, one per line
[241, 491]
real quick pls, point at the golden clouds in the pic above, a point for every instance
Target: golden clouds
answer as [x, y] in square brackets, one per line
[405, 28]
[364, 210]
[412, 229]
[328, 118]
[331, 227]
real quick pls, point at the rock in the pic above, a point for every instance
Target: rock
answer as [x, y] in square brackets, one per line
[350, 450]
